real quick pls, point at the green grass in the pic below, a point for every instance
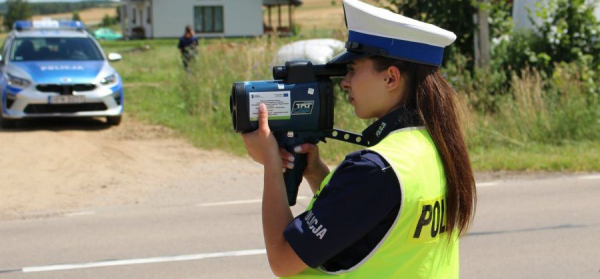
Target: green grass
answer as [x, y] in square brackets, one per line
[580, 156]
[554, 129]
[532, 133]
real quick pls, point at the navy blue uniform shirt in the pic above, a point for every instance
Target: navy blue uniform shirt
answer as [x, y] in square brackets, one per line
[356, 208]
[184, 43]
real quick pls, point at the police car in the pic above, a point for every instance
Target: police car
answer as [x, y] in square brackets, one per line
[57, 69]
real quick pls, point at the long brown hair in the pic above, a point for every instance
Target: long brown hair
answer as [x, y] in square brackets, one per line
[437, 105]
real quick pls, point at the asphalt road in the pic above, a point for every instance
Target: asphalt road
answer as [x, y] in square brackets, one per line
[524, 228]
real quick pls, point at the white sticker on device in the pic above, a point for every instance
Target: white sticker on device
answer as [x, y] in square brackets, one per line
[278, 103]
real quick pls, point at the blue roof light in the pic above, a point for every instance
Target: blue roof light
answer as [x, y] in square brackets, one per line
[48, 24]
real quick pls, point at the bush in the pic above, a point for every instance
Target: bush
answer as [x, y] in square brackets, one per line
[540, 111]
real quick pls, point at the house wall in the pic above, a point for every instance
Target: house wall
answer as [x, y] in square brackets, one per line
[240, 18]
[140, 8]
[520, 15]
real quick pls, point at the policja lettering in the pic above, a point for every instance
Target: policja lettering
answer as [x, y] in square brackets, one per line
[380, 130]
[312, 223]
[432, 215]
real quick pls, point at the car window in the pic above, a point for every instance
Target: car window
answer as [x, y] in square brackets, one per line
[52, 49]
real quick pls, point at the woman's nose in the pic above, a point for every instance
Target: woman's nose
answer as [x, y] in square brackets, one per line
[345, 83]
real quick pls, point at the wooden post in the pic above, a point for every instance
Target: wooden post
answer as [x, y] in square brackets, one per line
[290, 17]
[279, 16]
[270, 22]
[122, 20]
[483, 35]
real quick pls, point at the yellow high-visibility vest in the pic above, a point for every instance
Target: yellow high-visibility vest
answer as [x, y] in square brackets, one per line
[417, 244]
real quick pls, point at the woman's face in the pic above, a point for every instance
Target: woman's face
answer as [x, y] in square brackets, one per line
[368, 91]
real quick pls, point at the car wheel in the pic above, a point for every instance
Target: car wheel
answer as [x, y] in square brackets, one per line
[7, 123]
[113, 120]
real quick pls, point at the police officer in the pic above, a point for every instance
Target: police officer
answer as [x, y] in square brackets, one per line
[395, 209]
[188, 46]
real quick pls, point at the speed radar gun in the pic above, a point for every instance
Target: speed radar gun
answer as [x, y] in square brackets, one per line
[300, 102]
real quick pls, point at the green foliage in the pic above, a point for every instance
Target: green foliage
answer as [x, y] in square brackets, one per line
[17, 10]
[567, 32]
[529, 127]
[570, 30]
[539, 110]
[76, 16]
[118, 14]
[454, 15]
[109, 20]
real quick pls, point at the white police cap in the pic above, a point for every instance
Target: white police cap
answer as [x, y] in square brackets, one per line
[377, 31]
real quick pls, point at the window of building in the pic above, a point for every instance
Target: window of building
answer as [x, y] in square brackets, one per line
[149, 16]
[208, 19]
[133, 17]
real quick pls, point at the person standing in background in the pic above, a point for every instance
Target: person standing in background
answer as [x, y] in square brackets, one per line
[188, 47]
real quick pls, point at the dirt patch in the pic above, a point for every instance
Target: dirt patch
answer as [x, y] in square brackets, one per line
[62, 165]
[55, 166]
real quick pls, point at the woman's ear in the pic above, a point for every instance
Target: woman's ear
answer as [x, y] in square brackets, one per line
[393, 78]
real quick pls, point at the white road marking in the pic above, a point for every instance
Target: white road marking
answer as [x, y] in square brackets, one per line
[486, 184]
[145, 261]
[81, 213]
[240, 202]
[589, 177]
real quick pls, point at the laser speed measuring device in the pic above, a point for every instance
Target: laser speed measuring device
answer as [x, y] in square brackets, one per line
[300, 101]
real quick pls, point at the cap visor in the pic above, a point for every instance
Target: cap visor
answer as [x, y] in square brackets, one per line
[347, 57]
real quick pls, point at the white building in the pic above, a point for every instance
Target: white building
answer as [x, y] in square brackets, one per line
[520, 14]
[210, 18]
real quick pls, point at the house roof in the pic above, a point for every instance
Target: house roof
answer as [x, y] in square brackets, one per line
[282, 2]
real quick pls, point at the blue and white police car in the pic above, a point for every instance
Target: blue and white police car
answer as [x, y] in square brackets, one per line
[57, 69]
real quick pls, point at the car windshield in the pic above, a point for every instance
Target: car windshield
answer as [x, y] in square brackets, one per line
[53, 49]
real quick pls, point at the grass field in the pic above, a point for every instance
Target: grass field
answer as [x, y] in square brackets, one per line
[197, 106]
[534, 132]
[89, 17]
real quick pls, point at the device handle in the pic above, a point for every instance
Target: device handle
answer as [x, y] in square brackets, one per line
[293, 177]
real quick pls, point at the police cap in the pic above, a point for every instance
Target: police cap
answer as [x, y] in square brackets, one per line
[377, 31]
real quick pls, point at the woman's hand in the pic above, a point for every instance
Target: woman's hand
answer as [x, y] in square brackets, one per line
[261, 144]
[276, 213]
[315, 170]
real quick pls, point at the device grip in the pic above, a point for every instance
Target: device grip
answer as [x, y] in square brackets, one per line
[293, 177]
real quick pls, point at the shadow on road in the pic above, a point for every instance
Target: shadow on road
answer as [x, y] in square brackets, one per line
[58, 124]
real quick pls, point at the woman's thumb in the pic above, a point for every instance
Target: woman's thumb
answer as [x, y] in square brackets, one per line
[263, 117]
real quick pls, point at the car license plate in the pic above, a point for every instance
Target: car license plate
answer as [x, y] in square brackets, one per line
[66, 99]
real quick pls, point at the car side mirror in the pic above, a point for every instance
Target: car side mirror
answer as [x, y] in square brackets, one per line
[114, 57]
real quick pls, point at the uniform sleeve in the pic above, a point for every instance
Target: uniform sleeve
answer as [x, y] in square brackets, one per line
[360, 194]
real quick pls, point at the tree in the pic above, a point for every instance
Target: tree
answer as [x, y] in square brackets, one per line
[107, 20]
[569, 30]
[453, 15]
[118, 16]
[17, 10]
[76, 16]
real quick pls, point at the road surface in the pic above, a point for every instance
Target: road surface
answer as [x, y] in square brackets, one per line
[82, 201]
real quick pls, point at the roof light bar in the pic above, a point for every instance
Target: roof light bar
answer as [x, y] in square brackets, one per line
[48, 24]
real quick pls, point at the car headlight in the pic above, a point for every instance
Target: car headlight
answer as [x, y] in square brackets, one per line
[18, 82]
[109, 79]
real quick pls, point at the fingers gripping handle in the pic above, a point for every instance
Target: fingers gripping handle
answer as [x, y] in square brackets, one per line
[293, 177]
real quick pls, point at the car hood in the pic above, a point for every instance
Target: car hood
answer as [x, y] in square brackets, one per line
[44, 72]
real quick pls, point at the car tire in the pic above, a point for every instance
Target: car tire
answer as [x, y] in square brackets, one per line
[113, 120]
[7, 123]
